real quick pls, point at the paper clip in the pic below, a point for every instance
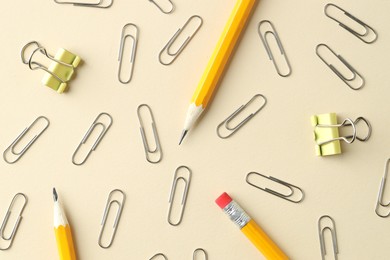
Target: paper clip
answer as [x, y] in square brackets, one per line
[356, 76]
[161, 8]
[134, 39]
[99, 4]
[327, 136]
[60, 70]
[87, 135]
[167, 48]
[176, 179]
[11, 148]
[107, 209]
[228, 120]
[368, 30]
[379, 201]
[148, 150]
[199, 250]
[321, 231]
[157, 255]
[287, 196]
[274, 33]
[11, 237]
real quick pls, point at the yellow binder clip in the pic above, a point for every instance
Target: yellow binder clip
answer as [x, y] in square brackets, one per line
[59, 72]
[327, 135]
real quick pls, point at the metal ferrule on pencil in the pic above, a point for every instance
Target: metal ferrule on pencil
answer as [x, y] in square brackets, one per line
[237, 214]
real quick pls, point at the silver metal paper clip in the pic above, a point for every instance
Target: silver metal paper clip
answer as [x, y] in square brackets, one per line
[11, 237]
[186, 182]
[196, 252]
[290, 196]
[321, 232]
[232, 129]
[157, 147]
[157, 255]
[351, 81]
[107, 209]
[18, 154]
[104, 130]
[172, 55]
[97, 4]
[379, 202]
[367, 34]
[162, 7]
[134, 39]
[263, 37]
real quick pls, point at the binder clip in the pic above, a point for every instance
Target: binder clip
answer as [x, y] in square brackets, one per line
[59, 72]
[327, 135]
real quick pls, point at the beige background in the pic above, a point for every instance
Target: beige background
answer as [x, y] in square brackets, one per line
[277, 142]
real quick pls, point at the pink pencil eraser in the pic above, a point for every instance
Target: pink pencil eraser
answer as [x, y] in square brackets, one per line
[223, 200]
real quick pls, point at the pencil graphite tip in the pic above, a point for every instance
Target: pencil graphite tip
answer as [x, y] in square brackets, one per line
[183, 135]
[55, 195]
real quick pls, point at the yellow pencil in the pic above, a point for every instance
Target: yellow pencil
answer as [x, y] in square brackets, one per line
[250, 229]
[218, 62]
[62, 231]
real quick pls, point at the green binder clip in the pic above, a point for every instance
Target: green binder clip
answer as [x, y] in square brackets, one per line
[327, 135]
[59, 72]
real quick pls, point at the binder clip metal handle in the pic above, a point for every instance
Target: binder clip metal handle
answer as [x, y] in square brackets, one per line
[327, 136]
[348, 139]
[60, 70]
[369, 128]
[33, 65]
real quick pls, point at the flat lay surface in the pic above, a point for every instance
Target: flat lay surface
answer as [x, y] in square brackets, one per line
[278, 141]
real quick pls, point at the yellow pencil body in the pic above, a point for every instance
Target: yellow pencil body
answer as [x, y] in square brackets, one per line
[65, 243]
[222, 52]
[62, 232]
[262, 241]
[250, 229]
[218, 62]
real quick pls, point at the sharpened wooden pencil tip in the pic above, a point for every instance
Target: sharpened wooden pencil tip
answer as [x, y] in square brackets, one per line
[183, 135]
[55, 195]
